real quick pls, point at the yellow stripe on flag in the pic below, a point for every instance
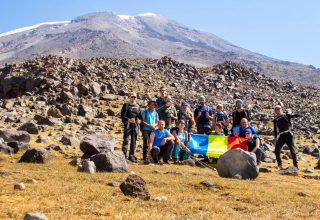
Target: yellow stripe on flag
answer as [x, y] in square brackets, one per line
[217, 145]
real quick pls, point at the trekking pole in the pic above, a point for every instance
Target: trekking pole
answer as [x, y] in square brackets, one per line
[203, 164]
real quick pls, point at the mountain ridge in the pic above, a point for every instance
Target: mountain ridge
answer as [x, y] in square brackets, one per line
[104, 34]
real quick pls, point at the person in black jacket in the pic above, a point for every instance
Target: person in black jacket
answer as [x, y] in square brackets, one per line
[239, 113]
[129, 114]
[283, 134]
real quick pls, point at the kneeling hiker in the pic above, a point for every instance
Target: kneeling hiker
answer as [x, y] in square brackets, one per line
[283, 134]
[253, 144]
[181, 150]
[160, 143]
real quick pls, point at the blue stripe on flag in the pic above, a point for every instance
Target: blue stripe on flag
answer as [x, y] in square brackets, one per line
[198, 144]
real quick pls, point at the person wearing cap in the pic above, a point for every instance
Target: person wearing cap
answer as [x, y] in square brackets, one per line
[160, 144]
[239, 113]
[203, 114]
[185, 114]
[149, 122]
[181, 150]
[168, 113]
[235, 132]
[245, 126]
[220, 116]
[130, 117]
[161, 99]
[253, 144]
[283, 134]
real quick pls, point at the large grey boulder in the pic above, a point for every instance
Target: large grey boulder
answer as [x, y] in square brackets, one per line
[14, 135]
[238, 163]
[110, 161]
[94, 144]
[36, 155]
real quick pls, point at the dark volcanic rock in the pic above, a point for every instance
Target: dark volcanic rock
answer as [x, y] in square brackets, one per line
[36, 155]
[70, 140]
[135, 186]
[29, 127]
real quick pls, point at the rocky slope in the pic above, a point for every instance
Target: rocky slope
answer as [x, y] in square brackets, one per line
[85, 96]
[146, 35]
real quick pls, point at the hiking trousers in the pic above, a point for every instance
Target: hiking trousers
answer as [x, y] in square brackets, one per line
[164, 151]
[203, 128]
[129, 136]
[286, 138]
[145, 137]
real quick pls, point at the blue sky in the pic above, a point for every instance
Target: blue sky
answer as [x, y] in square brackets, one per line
[283, 29]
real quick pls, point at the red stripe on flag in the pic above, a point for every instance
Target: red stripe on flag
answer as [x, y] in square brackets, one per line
[237, 142]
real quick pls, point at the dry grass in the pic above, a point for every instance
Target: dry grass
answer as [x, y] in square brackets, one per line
[64, 193]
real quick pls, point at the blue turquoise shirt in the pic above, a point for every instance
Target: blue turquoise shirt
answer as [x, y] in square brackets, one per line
[150, 117]
[159, 136]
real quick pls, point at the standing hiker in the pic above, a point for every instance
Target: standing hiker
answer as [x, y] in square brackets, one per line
[161, 98]
[203, 114]
[129, 115]
[220, 116]
[149, 122]
[284, 135]
[185, 114]
[239, 113]
[168, 113]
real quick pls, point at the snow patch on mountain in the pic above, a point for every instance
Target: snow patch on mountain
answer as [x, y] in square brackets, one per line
[19, 30]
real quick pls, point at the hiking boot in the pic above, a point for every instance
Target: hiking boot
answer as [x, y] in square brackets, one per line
[165, 162]
[133, 159]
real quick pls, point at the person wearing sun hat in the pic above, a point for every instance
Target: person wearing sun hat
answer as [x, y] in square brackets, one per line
[203, 114]
[130, 117]
[168, 113]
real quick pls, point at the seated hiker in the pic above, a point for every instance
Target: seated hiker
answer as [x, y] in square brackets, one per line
[161, 98]
[168, 113]
[239, 113]
[217, 129]
[221, 117]
[185, 114]
[181, 150]
[149, 122]
[203, 114]
[245, 126]
[235, 132]
[253, 143]
[160, 143]
[283, 134]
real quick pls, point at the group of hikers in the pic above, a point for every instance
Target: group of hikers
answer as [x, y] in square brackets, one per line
[165, 130]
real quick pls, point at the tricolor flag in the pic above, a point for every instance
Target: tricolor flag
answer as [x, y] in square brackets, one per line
[214, 145]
